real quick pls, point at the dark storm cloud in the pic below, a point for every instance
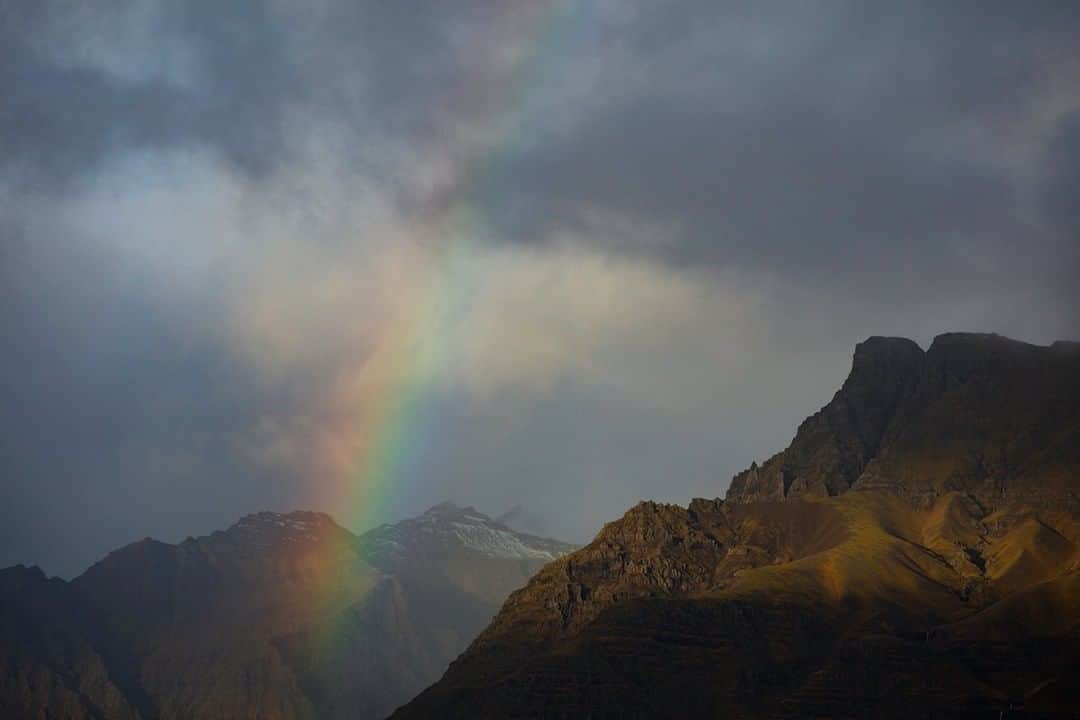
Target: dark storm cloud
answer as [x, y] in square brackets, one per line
[368, 63]
[774, 135]
[60, 119]
[856, 137]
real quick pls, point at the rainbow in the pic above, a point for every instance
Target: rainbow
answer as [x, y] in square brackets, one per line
[371, 456]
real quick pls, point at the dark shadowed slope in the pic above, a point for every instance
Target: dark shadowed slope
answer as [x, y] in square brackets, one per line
[913, 553]
[48, 666]
[280, 616]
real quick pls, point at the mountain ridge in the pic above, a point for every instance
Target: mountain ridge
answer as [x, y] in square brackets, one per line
[852, 437]
[914, 550]
[279, 615]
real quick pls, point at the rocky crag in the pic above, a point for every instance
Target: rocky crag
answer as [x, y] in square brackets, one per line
[914, 552]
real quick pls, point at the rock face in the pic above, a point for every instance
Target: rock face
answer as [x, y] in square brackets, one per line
[915, 551]
[980, 414]
[280, 616]
[834, 445]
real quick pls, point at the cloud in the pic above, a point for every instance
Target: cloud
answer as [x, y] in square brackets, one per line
[622, 249]
[821, 143]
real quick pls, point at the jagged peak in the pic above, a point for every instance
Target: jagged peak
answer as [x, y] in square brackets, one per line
[306, 517]
[892, 381]
[451, 524]
[296, 524]
[832, 447]
[521, 519]
[879, 354]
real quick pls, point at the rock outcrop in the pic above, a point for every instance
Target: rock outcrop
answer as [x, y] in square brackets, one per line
[914, 552]
[980, 414]
[834, 445]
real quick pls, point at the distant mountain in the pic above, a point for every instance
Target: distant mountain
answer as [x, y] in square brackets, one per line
[524, 520]
[915, 552]
[460, 548]
[48, 665]
[279, 616]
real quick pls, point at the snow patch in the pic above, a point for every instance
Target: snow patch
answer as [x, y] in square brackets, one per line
[497, 543]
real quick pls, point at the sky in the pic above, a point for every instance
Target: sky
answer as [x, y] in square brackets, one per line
[363, 257]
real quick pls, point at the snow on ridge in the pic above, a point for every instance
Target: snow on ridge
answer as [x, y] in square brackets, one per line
[306, 525]
[497, 542]
[450, 525]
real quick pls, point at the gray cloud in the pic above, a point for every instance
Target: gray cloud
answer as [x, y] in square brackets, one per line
[119, 409]
[855, 137]
[213, 218]
[1063, 183]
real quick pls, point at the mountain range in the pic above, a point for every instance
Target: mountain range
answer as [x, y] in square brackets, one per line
[914, 552]
[279, 616]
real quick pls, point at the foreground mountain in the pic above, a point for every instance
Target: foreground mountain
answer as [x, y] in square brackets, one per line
[280, 616]
[915, 552]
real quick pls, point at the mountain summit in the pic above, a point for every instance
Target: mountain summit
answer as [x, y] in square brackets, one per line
[448, 525]
[278, 616]
[915, 551]
[984, 415]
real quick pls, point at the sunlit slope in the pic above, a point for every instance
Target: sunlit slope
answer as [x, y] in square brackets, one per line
[914, 551]
[801, 598]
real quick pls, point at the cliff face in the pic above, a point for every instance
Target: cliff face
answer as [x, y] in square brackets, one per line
[915, 550]
[980, 414]
[834, 445]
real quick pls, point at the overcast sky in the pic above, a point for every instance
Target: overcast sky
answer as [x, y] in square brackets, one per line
[631, 244]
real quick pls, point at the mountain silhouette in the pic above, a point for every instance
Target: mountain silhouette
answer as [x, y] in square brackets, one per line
[279, 616]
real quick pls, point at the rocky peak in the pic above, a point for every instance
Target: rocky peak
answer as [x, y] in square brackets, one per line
[880, 356]
[833, 446]
[448, 511]
[954, 470]
[969, 396]
[300, 523]
[523, 520]
[447, 525]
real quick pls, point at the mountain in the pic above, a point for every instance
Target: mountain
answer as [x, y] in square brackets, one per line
[914, 552]
[48, 667]
[523, 520]
[279, 616]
